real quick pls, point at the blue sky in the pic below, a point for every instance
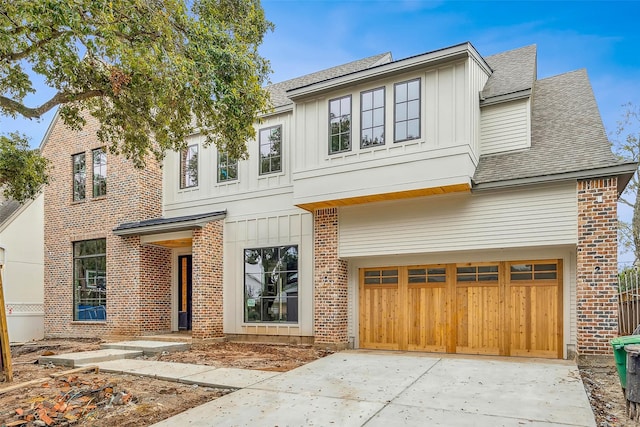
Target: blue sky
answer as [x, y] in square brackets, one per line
[312, 35]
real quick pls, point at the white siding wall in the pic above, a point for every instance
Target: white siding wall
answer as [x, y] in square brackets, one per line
[505, 126]
[449, 130]
[23, 273]
[477, 79]
[292, 228]
[211, 195]
[542, 216]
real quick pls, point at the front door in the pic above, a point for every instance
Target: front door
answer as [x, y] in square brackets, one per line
[184, 292]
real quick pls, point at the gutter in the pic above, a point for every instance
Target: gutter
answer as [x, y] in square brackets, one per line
[624, 171]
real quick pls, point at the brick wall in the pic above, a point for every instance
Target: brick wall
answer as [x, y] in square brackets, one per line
[597, 301]
[207, 312]
[330, 282]
[138, 278]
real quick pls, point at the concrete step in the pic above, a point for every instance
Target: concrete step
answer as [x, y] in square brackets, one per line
[148, 347]
[89, 357]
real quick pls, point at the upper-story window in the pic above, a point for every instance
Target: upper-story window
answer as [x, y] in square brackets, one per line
[99, 172]
[407, 110]
[340, 124]
[270, 149]
[372, 118]
[79, 177]
[189, 167]
[227, 168]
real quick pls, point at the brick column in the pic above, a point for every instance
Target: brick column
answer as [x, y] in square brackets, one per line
[330, 282]
[207, 281]
[597, 269]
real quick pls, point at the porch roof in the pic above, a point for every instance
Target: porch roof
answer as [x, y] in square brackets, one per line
[165, 225]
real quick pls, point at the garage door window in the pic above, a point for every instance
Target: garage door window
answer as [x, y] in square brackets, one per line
[380, 277]
[534, 271]
[477, 273]
[427, 275]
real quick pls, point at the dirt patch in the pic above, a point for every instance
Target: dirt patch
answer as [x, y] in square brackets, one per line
[104, 399]
[603, 388]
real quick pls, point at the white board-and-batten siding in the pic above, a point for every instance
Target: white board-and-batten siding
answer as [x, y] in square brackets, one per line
[505, 127]
[524, 217]
[277, 229]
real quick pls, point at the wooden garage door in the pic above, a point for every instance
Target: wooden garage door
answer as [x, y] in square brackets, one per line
[501, 308]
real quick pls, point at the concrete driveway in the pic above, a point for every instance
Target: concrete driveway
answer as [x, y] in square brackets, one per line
[363, 388]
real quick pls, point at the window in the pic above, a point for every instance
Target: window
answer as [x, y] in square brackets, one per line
[99, 172]
[90, 280]
[227, 168]
[189, 167]
[372, 118]
[79, 177]
[270, 150]
[340, 124]
[271, 284]
[407, 110]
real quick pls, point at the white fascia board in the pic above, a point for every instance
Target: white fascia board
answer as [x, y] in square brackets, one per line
[464, 50]
[277, 110]
[513, 96]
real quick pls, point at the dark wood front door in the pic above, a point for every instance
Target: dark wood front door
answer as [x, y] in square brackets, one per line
[184, 292]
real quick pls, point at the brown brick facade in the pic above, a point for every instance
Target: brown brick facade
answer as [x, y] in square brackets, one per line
[330, 282]
[138, 277]
[207, 249]
[597, 266]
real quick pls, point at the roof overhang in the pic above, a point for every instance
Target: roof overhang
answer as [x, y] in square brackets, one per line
[167, 225]
[437, 57]
[513, 96]
[623, 171]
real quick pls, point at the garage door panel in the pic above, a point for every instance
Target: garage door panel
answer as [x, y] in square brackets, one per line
[427, 318]
[534, 321]
[379, 308]
[478, 319]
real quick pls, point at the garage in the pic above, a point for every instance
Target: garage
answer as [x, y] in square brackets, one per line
[509, 308]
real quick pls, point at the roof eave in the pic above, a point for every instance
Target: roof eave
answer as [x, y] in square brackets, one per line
[170, 227]
[513, 96]
[464, 50]
[623, 171]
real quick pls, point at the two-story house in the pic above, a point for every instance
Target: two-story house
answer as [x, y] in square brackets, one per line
[445, 202]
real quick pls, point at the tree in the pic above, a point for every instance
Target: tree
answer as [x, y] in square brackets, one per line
[151, 71]
[627, 145]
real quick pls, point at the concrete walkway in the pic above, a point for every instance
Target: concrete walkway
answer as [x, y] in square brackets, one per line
[388, 389]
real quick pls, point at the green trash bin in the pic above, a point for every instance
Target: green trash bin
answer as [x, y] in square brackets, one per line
[621, 356]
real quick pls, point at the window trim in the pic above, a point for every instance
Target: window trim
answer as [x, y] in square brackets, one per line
[183, 178]
[82, 155]
[384, 110]
[395, 121]
[75, 302]
[260, 171]
[350, 124]
[220, 154]
[93, 175]
[244, 287]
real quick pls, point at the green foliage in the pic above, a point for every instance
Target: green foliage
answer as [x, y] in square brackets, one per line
[627, 146]
[22, 170]
[151, 71]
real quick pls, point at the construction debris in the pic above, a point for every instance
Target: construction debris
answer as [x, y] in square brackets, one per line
[78, 399]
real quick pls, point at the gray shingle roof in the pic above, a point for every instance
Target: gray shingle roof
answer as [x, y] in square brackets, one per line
[513, 71]
[279, 90]
[567, 134]
[7, 208]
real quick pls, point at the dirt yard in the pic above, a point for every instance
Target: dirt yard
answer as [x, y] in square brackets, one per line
[605, 393]
[104, 399]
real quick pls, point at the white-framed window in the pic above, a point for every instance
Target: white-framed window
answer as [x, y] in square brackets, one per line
[189, 167]
[372, 118]
[340, 124]
[271, 284]
[406, 110]
[227, 167]
[270, 141]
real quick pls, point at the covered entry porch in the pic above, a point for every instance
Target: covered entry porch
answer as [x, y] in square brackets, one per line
[192, 246]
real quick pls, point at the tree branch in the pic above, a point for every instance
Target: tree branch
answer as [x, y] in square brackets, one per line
[17, 56]
[59, 98]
